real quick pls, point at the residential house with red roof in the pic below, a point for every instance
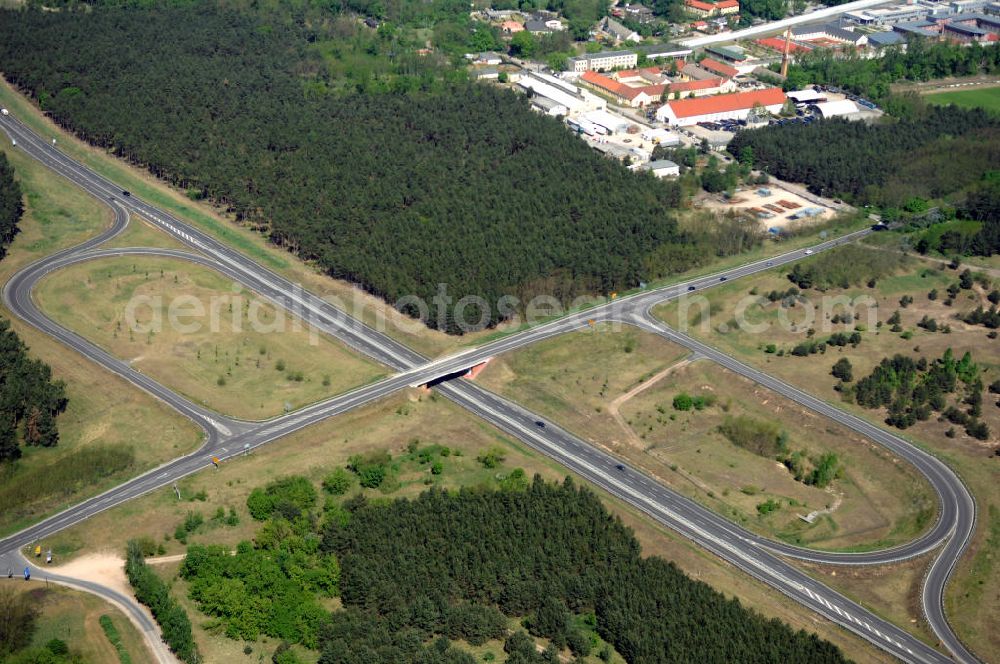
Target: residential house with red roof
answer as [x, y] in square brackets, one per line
[728, 7]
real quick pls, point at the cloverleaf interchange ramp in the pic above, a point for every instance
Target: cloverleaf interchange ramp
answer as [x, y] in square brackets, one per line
[225, 437]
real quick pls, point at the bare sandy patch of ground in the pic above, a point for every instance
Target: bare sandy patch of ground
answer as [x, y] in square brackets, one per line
[104, 568]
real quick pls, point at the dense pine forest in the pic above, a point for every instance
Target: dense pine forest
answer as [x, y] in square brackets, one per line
[934, 153]
[11, 205]
[446, 183]
[416, 576]
[982, 204]
[454, 14]
[29, 399]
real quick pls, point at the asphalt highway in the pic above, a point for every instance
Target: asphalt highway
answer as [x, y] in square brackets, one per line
[226, 437]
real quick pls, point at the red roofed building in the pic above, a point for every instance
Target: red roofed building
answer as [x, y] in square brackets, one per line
[734, 106]
[644, 73]
[623, 94]
[700, 8]
[604, 83]
[706, 9]
[702, 87]
[778, 44]
[719, 68]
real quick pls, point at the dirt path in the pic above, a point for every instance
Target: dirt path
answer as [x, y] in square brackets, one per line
[614, 408]
[837, 500]
[163, 560]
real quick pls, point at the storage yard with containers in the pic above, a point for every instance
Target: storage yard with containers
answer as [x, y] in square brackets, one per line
[775, 207]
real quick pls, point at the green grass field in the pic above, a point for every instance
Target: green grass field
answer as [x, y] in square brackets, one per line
[73, 616]
[987, 98]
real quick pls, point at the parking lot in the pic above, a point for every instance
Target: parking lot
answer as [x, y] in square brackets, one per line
[715, 138]
[721, 132]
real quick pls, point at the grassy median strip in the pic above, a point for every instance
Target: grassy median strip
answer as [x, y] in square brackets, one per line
[115, 638]
[240, 355]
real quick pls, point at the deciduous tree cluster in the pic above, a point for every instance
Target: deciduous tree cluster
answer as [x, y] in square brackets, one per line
[921, 60]
[154, 593]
